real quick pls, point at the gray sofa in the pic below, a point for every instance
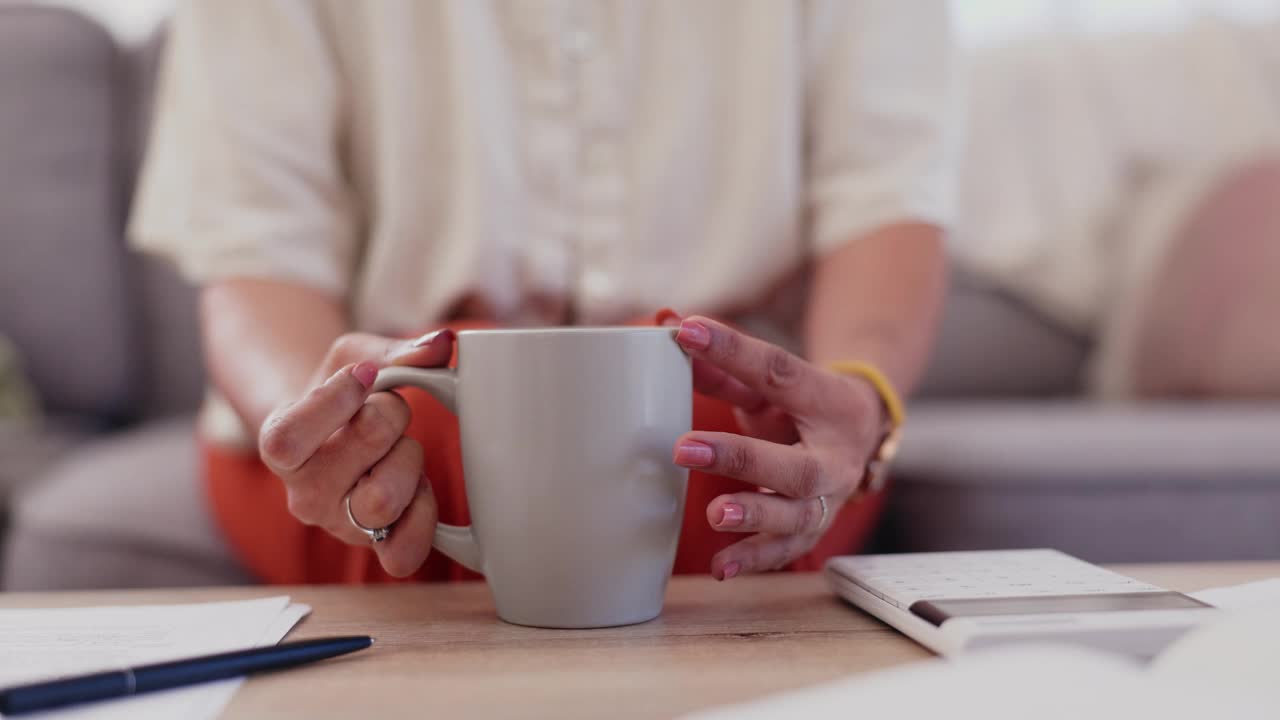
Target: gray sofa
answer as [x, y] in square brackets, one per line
[1002, 450]
[101, 491]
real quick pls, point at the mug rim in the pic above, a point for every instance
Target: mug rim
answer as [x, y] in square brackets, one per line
[575, 330]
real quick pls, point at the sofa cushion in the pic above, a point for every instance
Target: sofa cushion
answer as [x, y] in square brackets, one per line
[170, 341]
[29, 448]
[124, 511]
[1109, 483]
[171, 361]
[63, 296]
[992, 345]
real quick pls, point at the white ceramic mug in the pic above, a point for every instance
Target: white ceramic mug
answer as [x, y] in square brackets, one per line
[567, 438]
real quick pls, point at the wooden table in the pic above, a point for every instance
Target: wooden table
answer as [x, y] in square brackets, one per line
[441, 653]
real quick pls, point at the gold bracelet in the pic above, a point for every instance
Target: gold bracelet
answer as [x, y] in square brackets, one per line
[865, 370]
[877, 469]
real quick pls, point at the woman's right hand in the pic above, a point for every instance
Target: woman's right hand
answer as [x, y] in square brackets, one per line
[339, 438]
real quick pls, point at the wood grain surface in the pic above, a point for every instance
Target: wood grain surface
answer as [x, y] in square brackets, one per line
[441, 653]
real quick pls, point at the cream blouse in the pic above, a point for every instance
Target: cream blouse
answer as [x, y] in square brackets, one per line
[541, 161]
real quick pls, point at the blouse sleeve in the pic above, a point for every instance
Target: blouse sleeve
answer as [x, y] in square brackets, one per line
[881, 117]
[242, 175]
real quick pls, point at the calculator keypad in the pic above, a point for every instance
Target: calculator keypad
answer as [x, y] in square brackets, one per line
[903, 579]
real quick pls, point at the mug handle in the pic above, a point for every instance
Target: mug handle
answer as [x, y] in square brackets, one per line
[456, 541]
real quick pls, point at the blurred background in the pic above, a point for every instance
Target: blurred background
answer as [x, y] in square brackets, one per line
[978, 22]
[1106, 379]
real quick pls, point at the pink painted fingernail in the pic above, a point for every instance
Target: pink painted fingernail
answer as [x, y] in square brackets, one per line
[694, 335]
[731, 515]
[692, 453]
[431, 337]
[731, 570]
[365, 373]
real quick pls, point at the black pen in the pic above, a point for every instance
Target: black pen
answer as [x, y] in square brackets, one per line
[177, 673]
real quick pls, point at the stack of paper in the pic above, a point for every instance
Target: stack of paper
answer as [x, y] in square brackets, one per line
[42, 644]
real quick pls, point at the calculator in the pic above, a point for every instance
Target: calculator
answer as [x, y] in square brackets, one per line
[953, 602]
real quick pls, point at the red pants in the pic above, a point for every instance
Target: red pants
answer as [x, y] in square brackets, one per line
[249, 505]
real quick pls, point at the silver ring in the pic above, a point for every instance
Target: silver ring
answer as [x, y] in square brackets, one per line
[822, 523]
[375, 535]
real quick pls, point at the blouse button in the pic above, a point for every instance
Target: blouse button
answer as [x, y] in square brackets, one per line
[579, 44]
[596, 283]
[600, 156]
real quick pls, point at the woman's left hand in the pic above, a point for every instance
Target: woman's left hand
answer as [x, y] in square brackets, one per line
[808, 436]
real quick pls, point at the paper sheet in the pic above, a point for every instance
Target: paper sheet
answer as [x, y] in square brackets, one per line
[1224, 669]
[1260, 595]
[1014, 683]
[39, 644]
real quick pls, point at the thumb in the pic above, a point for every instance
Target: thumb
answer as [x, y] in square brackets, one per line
[434, 349]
